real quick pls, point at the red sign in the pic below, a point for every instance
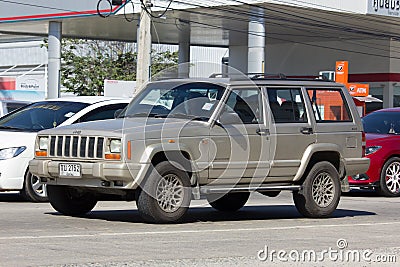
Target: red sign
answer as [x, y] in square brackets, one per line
[342, 72]
[358, 89]
[7, 83]
[342, 76]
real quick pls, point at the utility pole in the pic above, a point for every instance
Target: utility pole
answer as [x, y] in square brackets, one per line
[144, 46]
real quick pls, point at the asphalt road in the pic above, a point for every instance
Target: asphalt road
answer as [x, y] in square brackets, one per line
[364, 231]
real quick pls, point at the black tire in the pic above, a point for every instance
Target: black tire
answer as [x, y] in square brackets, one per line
[154, 201]
[33, 190]
[229, 202]
[70, 201]
[391, 187]
[321, 191]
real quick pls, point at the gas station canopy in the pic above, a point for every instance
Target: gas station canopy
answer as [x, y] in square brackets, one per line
[211, 22]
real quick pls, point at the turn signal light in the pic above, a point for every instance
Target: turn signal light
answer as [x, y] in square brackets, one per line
[129, 151]
[113, 156]
[41, 153]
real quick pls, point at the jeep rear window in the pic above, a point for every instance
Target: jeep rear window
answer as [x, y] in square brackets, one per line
[329, 105]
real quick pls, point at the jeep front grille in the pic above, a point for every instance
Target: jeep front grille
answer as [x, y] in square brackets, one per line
[90, 147]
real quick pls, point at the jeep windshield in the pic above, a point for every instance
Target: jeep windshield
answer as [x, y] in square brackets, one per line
[40, 115]
[187, 101]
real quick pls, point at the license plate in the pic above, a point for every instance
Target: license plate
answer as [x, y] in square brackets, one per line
[70, 170]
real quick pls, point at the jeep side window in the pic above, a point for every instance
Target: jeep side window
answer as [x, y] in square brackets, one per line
[247, 104]
[329, 105]
[287, 105]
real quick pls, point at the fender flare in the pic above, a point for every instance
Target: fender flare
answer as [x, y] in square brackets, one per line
[311, 150]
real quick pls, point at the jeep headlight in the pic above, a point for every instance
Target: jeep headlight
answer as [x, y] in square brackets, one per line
[115, 146]
[42, 146]
[114, 149]
[11, 152]
[43, 143]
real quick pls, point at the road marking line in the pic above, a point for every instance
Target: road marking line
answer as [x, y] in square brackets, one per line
[198, 231]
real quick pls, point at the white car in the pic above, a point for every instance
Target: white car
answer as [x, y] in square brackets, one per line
[18, 133]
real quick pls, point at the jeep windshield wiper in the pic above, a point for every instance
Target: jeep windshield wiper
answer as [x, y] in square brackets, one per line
[177, 115]
[187, 116]
[141, 114]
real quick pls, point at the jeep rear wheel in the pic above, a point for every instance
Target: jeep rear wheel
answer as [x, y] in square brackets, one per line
[166, 194]
[229, 202]
[70, 201]
[321, 191]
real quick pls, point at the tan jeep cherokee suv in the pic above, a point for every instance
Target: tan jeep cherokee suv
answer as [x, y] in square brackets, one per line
[221, 138]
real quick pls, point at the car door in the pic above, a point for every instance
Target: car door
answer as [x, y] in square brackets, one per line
[292, 130]
[239, 152]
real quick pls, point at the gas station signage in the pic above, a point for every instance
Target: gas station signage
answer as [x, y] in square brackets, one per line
[384, 7]
[342, 76]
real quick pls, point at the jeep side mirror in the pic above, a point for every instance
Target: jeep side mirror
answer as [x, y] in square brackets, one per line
[229, 118]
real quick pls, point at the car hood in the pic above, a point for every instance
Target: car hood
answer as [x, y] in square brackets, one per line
[140, 127]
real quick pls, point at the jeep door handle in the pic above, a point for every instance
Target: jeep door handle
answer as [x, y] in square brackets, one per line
[262, 131]
[306, 130]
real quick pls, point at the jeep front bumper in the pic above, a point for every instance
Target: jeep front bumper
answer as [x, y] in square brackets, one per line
[94, 174]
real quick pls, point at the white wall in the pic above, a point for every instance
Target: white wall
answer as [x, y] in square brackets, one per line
[22, 53]
[309, 59]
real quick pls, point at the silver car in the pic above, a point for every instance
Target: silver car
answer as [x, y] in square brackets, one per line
[220, 138]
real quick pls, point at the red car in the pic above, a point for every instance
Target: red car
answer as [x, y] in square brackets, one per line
[382, 130]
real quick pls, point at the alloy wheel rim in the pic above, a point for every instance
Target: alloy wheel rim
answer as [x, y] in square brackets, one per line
[38, 188]
[170, 193]
[392, 177]
[323, 190]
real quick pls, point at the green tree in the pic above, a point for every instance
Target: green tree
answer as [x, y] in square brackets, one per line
[87, 63]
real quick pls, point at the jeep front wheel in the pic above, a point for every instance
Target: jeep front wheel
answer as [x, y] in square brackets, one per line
[229, 202]
[70, 201]
[320, 193]
[165, 195]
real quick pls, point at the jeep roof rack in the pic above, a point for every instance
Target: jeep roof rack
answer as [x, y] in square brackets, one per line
[255, 75]
[268, 76]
